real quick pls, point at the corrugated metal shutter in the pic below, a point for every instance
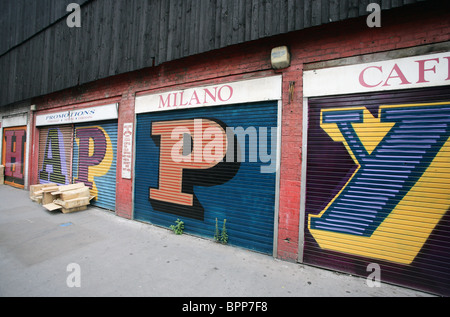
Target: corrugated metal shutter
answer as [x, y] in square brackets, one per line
[94, 160]
[243, 192]
[13, 155]
[55, 154]
[378, 186]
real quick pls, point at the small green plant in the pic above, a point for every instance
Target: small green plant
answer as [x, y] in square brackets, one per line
[216, 233]
[221, 236]
[178, 228]
[224, 235]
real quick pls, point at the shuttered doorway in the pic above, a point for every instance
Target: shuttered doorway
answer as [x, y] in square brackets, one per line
[378, 186]
[242, 191]
[55, 154]
[13, 155]
[94, 160]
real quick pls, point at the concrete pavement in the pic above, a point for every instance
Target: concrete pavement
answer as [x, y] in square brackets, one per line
[43, 253]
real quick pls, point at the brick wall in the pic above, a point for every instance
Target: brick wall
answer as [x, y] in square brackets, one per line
[400, 29]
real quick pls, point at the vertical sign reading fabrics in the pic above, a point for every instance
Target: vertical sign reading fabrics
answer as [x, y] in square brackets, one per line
[207, 163]
[127, 150]
[13, 156]
[94, 160]
[378, 185]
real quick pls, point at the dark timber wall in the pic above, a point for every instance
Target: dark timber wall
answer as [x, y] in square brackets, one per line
[40, 54]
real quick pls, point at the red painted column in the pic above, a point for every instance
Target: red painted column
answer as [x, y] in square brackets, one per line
[124, 186]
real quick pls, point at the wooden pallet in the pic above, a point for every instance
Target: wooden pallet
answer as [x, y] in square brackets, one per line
[67, 198]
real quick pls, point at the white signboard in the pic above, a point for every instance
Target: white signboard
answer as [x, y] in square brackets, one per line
[410, 72]
[15, 120]
[106, 112]
[127, 150]
[268, 88]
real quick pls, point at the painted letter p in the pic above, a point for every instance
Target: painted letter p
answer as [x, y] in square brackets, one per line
[182, 166]
[95, 155]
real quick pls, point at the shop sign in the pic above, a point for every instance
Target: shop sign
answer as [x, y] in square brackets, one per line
[127, 148]
[268, 88]
[411, 72]
[106, 112]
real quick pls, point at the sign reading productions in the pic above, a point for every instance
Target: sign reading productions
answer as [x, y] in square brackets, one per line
[106, 112]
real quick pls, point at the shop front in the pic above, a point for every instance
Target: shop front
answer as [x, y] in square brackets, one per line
[378, 170]
[80, 145]
[14, 129]
[209, 156]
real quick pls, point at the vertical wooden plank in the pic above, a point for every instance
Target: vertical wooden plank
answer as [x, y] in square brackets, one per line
[186, 8]
[131, 30]
[163, 19]
[171, 15]
[233, 26]
[195, 38]
[123, 37]
[353, 8]
[4, 24]
[11, 66]
[86, 58]
[155, 29]
[300, 12]
[343, 9]
[181, 20]
[141, 33]
[242, 17]
[261, 12]
[49, 56]
[65, 56]
[316, 11]
[114, 52]
[324, 11]
[204, 26]
[218, 11]
[276, 20]
[224, 17]
[201, 43]
[333, 9]
[254, 20]
[106, 29]
[32, 80]
[148, 45]
[45, 62]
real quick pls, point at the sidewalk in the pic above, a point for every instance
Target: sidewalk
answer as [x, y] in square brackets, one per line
[119, 257]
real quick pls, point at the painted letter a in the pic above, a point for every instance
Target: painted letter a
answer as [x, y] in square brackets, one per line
[54, 169]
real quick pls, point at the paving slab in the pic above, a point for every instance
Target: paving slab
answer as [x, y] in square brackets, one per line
[95, 253]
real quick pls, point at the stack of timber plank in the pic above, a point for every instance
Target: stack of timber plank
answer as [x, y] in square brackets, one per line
[68, 198]
[37, 192]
